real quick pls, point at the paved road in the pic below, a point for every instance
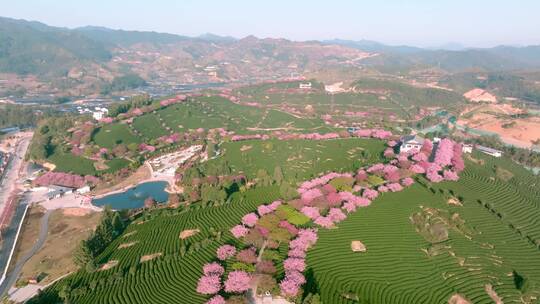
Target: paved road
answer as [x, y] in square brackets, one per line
[10, 179]
[15, 272]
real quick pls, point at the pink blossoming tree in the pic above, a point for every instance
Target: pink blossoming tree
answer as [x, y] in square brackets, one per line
[237, 281]
[225, 252]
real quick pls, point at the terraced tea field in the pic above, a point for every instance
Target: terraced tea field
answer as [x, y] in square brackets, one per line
[378, 97]
[396, 269]
[299, 159]
[168, 275]
[490, 219]
[217, 112]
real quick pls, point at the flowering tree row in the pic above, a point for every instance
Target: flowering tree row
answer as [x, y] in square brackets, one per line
[65, 179]
[366, 133]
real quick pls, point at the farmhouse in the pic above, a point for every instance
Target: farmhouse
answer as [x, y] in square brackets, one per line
[58, 191]
[411, 143]
[467, 148]
[489, 151]
[83, 190]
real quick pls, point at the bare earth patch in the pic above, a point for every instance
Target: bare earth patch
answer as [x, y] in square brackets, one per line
[500, 119]
[475, 160]
[76, 211]
[129, 234]
[65, 234]
[126, 245]
[245, 148]
[149, 257]
[492, 294]
[458, 299]
[108, 265]
[454, 201]
[478, 95]
[143, 173]
[187, 233]
[357, 246]
[49, 166]
[100, 165]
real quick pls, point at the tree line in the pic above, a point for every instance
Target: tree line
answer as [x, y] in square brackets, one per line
[110, 226]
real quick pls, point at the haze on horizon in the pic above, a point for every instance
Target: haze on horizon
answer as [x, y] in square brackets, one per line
[479, 23]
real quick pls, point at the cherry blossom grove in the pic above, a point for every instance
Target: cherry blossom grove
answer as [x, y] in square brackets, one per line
[323, 207]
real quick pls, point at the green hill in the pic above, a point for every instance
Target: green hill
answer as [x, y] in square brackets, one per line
[35, 48]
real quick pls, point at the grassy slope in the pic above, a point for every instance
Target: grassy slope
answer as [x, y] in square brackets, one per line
[67, 162]
[110, 135]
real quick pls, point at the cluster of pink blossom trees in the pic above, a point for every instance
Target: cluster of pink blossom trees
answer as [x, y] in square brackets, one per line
[239, 231]
[448, 162]
[356, 114]
[146, 148]
[320, 181]
[325, 207]
[225, 252]
[106, 120]
[65, 180]
[170, 139]
[170, 101]
[237, 281]
[247, 137]
[295, 264]
[210, 282]
[374, 133]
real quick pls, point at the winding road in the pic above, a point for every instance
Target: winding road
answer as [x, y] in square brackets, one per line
[15, 272]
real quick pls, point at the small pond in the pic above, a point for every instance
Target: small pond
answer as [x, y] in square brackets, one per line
[134, 197]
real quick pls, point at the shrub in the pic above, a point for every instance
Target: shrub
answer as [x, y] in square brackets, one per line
[375, 180]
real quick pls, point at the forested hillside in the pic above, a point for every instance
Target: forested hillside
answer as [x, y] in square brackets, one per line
[34, 48]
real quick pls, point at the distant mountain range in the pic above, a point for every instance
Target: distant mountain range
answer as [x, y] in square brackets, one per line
[28, 47]
[498, 58]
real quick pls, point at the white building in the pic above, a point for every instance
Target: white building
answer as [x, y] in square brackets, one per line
[411, 143]
[100, 113]
[489, 151]
[306, 85]
[83, 190]
[466, 148]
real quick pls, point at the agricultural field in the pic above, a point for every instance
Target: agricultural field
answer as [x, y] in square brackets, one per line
[367, 101]
[109, 136]
[482, 245]
[149, 126]
[67, 162]
[217, 112]
[490, 242]
[298, 159]
[173, 265]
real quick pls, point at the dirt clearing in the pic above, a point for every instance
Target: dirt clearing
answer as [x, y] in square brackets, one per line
[65, 233]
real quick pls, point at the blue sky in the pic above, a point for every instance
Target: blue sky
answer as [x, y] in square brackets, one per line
[480, 23]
